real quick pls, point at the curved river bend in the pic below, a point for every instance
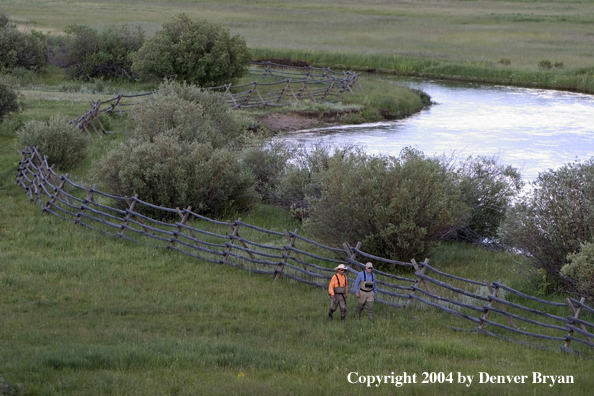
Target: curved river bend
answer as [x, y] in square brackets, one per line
[531, 129]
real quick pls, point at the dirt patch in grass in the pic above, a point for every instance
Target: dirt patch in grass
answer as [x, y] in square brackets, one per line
[297, 120]
[285, 62]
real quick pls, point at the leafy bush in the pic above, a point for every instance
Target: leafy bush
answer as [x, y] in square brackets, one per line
[20, 49]
[88, 54]
[8, 101]
[166, 173]
[581, 269]
[488, 188]
[194, 51]
[396, 206]
[181, 154]
[267, 163]
[188, 113]
[554, 219]
[300, 177]
[64, 145]
[545, 64]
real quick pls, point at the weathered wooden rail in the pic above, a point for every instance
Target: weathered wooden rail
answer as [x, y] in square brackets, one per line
[492, 307]
[305, 84]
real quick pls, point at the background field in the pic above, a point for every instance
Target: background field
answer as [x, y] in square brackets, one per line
[85, 314]
[485, 31]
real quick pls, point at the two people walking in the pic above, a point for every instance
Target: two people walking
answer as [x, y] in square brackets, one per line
[365, 290]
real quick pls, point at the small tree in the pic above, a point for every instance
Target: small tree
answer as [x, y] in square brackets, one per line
[488, 188]
[181, 153]
[8, 101]
[188, 113]
[194, 51]
[171, 174]
[580, 269]
[21, 49]
[555, 218]
[396, 206]
[63, 143]
[88, 53]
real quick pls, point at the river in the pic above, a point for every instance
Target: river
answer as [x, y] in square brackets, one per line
[531, 129]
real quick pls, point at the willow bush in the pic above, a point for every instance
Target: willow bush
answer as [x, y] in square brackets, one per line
[182, 152]
[398, 207]
[8, 101]
[166, 173]
[87, 53]
[21, 49]
[554, 220]
[198, 52]
[63, 143]
[188, 113]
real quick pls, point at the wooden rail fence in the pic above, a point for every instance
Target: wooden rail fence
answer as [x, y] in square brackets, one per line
[309, 83]
[492, 308]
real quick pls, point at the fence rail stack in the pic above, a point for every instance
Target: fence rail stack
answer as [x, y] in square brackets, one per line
[289, 87]
[493, 308]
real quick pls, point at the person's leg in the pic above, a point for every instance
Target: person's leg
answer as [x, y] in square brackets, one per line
[333, 306]
[369, 308]
[360, 304]
[343, 306]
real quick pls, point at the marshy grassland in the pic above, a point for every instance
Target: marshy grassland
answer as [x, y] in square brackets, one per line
[491, 41]
[82, 313]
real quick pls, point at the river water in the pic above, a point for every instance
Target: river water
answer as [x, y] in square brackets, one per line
[531, 129]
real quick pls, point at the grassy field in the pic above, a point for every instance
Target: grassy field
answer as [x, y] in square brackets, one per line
[85, 314]
[498, 41]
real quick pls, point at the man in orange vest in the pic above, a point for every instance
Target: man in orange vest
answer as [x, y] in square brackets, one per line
[338, 289]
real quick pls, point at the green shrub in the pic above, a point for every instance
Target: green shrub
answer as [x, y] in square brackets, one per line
[21, 49]
[545, 64]
[488, 188]
[267, 163]
[64, 144]
[188, 113]
[580, 268]
[398, 207]
[167, 173]
[8, 101]
[194, 51]
[88, 54]
[554, 219]
[300, 177]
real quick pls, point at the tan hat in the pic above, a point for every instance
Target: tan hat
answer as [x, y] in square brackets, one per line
[368, 265]
[341, 266]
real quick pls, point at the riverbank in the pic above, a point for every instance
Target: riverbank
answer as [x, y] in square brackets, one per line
[548, 75]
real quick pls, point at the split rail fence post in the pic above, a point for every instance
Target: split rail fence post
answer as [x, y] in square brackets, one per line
[184, 219]
[128, 215]
[350, 254]
[277, 273]
[57, 192]
[576, 313]
[494, 291]
[419, 270]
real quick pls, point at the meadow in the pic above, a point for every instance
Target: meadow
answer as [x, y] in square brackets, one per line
[492, 41]
[82, 313]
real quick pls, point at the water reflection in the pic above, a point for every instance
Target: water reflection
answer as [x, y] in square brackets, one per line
[531, 129]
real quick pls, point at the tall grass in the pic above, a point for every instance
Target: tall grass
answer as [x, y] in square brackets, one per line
[423, 38]
[87, 314]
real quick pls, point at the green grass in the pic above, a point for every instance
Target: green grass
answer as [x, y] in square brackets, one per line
[455, 39]
[87, 314]
[82, 313]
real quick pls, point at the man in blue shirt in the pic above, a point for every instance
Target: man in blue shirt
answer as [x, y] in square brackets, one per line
[365, 288]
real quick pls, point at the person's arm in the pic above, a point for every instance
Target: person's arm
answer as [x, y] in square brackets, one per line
[357, 281]
[331, 287]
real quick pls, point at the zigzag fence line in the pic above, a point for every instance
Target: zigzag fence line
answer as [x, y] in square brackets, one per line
[492, 307]
[328, 86]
